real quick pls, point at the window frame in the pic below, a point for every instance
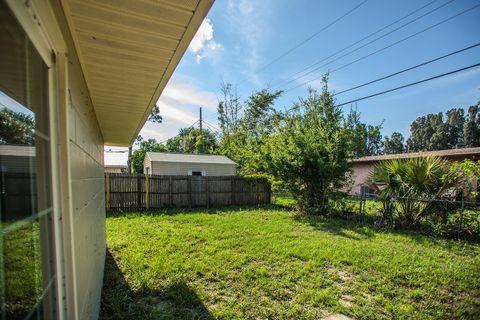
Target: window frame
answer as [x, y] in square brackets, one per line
[38, 20]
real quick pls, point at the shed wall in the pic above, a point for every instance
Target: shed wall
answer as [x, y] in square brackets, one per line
[182, 168]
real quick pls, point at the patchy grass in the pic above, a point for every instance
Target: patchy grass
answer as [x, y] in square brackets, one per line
[267, 263]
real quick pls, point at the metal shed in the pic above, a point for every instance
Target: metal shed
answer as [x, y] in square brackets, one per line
[161, 163]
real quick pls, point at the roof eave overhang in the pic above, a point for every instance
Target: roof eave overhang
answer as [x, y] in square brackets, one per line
[123, 128]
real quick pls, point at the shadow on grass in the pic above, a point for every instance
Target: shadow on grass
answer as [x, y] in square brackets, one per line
[197, 210]
[337, 227]
[119, 301]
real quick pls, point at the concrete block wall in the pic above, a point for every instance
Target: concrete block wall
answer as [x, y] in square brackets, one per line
[86, 232]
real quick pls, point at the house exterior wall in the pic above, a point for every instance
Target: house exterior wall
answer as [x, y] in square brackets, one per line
[183, 168]
[362, 170]
[360, 173]
[147, 165]
[85, 248]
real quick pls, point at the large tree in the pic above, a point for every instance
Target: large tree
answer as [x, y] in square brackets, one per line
[366, 140]
[394, 144]
[471, 133]
[310, 150]
[138, 155]
[427, 133]
[454, 124]
[193, 140]
[245, 126]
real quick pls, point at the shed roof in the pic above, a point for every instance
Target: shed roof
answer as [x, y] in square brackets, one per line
[453, 153]
[190, 158]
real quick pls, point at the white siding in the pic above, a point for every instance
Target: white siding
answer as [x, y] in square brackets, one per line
[87, 238]
[147, 163]
[182, 168]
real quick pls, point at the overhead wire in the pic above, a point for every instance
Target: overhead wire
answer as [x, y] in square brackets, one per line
[408, 69]
[301, 43]
[389, 46]
[410, 84]
[364, 38]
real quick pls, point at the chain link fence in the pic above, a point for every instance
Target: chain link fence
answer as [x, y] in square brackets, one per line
[451, 218]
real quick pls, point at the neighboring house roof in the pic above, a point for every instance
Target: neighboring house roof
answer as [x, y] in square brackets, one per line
[191, 158]
[128, 51]
[16, 150]
[453, 153]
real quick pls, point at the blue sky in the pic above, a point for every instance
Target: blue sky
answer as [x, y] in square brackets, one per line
[240, 37]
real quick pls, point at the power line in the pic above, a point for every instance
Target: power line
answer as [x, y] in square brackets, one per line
[355, 43]
[301, 43]
[163, 141]
[409, 85]
[391, 45]
[408, 69]
[212, 126]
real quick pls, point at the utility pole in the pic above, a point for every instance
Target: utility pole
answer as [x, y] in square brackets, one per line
[201, 130]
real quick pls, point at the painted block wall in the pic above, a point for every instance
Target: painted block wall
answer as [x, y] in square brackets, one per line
[87, 235]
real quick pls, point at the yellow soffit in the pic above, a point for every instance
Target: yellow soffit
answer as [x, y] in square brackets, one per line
[128, 50]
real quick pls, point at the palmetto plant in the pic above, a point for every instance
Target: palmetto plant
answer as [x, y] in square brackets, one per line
[408, 187]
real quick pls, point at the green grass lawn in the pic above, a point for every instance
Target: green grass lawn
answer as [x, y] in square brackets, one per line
[268, 263]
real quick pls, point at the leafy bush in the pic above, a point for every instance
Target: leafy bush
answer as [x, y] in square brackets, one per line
[309, 151]
[406, 186]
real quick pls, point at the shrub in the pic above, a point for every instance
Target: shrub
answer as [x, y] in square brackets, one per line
[309, 151]
[407, 186]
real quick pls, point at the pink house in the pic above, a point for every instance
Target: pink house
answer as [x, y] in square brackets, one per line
[362, 167]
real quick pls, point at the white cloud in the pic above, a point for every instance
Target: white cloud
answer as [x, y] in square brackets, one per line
[172, 111]
[187, 94]
[179, 106]
[251, 21]
[203, 42]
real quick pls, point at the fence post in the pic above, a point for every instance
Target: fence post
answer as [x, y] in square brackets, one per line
[139, 192]
[107, 190]
[147, 184]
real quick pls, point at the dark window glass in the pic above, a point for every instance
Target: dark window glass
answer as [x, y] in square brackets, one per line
[196, 173]
[27, 276]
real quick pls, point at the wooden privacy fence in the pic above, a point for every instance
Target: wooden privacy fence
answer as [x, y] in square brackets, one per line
[124, 191]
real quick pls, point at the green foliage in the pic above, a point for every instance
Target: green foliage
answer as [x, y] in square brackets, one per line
[138, 155]
[431, 132]
[366, 139]
[16, 128]
[155, 115]
[408, 180]
[246, 128]
[469, 171]
[193, 140]
[394, 144]
[309, 150]
[471, 133]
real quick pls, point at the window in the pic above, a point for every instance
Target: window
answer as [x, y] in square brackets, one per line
[196, 173]
[27, 265]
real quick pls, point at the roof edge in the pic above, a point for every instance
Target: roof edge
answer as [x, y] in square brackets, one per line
[440, 153]
[200, 13]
